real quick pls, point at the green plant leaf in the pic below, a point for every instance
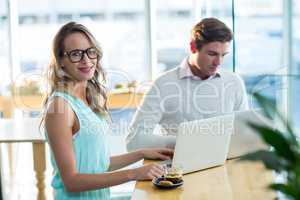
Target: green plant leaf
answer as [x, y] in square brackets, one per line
[269, 158]
[277, 140]
[286, 189]
[285, 157]
[269, 108]
[268, 105]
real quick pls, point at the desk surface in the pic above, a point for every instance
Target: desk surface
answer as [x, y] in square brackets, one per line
[232, 181]
[20, 130]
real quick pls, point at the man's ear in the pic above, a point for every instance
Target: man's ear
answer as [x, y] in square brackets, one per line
[193, 46]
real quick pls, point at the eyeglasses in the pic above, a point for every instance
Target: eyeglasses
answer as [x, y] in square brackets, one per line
[76, 55]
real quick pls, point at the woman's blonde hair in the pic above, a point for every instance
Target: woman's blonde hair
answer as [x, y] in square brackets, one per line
[58, 80]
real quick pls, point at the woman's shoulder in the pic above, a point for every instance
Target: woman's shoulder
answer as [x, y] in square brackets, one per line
[60, 100]
[59, 109]
[57, 102]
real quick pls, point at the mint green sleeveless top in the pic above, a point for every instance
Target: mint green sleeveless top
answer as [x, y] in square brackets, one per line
[90, 147]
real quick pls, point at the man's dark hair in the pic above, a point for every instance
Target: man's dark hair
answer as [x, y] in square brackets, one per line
[210, 30]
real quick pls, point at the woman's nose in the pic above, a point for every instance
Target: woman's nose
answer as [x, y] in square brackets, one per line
[85, 58]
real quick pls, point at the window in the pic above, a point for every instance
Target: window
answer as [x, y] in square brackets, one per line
[258, 24]
[174, 21]
[295, 99]
[259, 38]
[122, 36]
[119, 27]
[4, 48]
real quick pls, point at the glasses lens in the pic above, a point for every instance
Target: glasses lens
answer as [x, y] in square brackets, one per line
[92, 53]
[75, 56]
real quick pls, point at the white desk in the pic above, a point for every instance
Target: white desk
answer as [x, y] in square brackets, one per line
[27, 130]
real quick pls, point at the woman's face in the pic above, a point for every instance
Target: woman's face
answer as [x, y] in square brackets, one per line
[80, 57]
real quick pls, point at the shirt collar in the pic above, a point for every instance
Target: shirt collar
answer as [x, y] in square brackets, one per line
[185, 72]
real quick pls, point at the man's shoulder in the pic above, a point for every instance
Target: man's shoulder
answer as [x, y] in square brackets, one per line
[229, 75]
[170, 75]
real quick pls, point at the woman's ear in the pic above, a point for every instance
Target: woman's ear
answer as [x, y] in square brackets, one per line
[193, 46]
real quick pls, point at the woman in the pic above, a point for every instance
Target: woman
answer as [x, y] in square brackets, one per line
[76, 123]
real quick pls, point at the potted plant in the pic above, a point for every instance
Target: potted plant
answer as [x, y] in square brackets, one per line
[284, 154]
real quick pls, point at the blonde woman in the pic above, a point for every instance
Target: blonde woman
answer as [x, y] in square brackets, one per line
[76, 123]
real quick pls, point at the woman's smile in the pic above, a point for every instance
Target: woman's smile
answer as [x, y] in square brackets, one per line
[85, 69]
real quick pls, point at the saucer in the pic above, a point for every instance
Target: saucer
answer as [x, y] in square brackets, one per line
[156, 181]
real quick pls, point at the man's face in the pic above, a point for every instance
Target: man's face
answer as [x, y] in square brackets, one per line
[208, 59]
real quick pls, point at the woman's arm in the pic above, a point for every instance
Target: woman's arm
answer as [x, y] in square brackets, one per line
[120, 161]
[59, 122]
[75, 182]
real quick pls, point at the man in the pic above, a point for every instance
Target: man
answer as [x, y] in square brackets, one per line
[196, 89]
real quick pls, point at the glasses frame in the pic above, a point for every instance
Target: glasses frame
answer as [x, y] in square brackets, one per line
[68, 54]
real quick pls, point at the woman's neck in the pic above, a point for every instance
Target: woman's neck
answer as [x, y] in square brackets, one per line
[79, 90]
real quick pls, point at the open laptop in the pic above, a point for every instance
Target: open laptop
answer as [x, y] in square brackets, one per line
[245, 139]
[206, 143]
[202, 144]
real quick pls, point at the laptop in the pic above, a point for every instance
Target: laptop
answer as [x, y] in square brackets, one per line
[245, 139]
[202, 144]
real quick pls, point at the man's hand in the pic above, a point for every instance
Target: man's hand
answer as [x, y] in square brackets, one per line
[157, 153]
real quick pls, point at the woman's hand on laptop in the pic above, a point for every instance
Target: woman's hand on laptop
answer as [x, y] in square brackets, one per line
[147, 172]
[157, 153]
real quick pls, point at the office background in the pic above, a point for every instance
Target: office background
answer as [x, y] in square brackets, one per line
[142, 38]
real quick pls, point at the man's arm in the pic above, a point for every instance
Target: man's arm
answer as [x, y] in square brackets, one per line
[147, 117]
[241, 96]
